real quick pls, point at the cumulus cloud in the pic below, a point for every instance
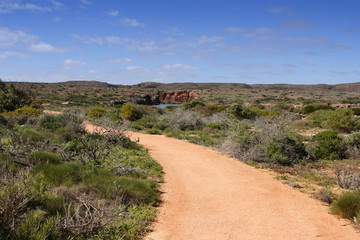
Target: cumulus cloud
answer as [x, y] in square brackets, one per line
[87, 39]
[136, 69]
[45, 48]
[143, 45]
[10, 38]
[69, 64]
[128, 22]
[4, 55]
[177, 66]
[120, 60]
[205, 39]
[174, 31]
[7, 6]
[113, 13]
[86, 2]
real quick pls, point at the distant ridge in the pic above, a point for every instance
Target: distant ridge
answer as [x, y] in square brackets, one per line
[351, 87]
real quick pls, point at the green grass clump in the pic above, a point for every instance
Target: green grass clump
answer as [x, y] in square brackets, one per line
[348, 205]
[44, 157]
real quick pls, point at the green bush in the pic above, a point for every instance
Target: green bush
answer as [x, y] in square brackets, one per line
[130, 112]
[342, 120]
[31, 135]
[44, 157]
[50, 122]
[310, 108]
[286, 150]
[242, 112]
[146, 121]
[356, 111]
[12, 97]
[328, 145]
[153, 132]
[348, 205]
[96, 112]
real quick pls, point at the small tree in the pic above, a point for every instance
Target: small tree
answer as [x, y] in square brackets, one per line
[130, 112]
[12, 97]
[328, 145]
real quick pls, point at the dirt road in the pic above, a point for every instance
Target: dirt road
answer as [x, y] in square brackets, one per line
[211, 196]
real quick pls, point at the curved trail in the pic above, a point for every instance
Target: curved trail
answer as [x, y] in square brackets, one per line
[211, 196]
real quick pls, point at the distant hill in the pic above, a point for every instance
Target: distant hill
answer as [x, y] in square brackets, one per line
[353, 87]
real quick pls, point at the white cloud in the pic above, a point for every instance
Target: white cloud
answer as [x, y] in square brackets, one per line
[142, 45]
[86, 2]
[7, 6]
[174, 31]
[205, 39]
[120, 60]
[88, 40]
[69, 64]
[4, 55]
[45, 48]
[128, 22]
[133, 68]
[10, 38]
[58, 5]
[113, 13]
[177, 66]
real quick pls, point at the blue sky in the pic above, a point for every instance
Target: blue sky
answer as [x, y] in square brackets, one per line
[128, 42]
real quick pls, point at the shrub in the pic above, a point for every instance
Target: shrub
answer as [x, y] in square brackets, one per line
[242, 112]
[153, 131]
[130, 112]
[352, 145]
[146, 121]
[348, 205]
[327, 145]
[44, 157]
[185, 120]
[324, 196]
[26, 111]
[286, 149]
[356, 111]
[96, 112]
[12, 97]
[310, 108]
[50, 122]
[342, 120]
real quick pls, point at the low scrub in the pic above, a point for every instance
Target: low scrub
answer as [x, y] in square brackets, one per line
[348, 205]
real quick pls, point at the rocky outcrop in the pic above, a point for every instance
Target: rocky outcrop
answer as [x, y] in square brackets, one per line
[178, 96]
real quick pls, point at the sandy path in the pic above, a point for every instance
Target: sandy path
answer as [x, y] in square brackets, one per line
[211, 196]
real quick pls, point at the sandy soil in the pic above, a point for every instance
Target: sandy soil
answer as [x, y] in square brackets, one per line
[211, 196]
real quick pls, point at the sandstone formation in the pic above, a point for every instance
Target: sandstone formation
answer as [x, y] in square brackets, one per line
[178, 96]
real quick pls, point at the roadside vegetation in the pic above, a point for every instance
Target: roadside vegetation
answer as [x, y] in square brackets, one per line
[59, 182]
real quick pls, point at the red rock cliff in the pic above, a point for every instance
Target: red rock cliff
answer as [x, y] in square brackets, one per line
[178, 96]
